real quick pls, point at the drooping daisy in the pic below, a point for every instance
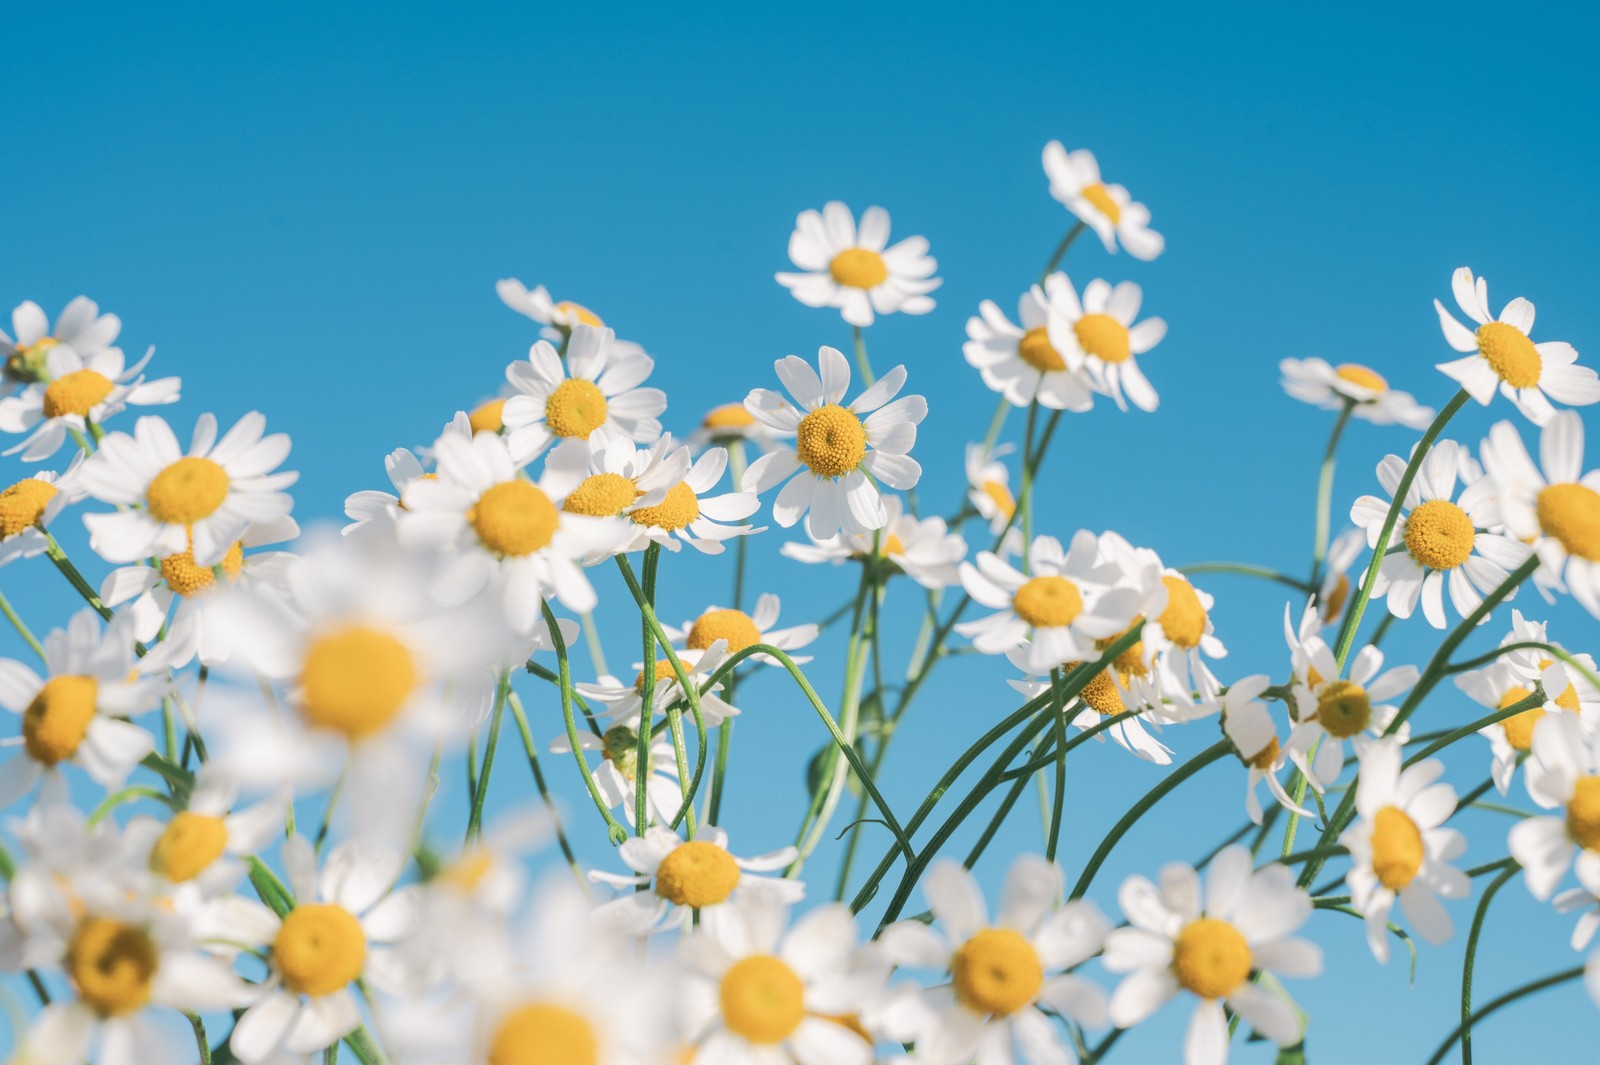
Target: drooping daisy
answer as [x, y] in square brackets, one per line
[853, 270]
[203, 844]
[1564, 772]
[1008, 977]
[81, 328]
[618, 772]
[1178, 634]
[1248, 724]
[1099, 335]
[1208, 944]
[78, 390]
[1106, 209]
[989, 484]
[595, 390]
[923, 548]
[1018, 361]
[28, 507]
[836, 446]
[1334, 591]
[558, 318]
[175, 502]
[688, 876]
[1447, 539]
[1365, 390]
[366, 507]
[625, 702]
[1498, 687]
[1101, 698]
[740, 630]
[1332, 709]
[1399, 847]
[1502, 357]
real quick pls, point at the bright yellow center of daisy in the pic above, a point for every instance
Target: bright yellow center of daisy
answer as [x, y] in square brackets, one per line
[1439, 534]
[1184, 619]
[1343, 708]
[831, 440]
[576, 408]
[1048, 602]
[514, 518]
[1264, 758]
[187, 491]
[75, 393]
[997, 971]
[355, 680]
[112, 966]
[1583, 813]
[1131, 661]
[601, 495]
[544, 1034]
[319, 949]
[1519, 727]
[1568, 699]
[763, 999]
[1210, 957]
[1000, 495]
[23, 504]
[55, 723]
[1036, 350]
[728, 416]
[488, 418]
[664, 675]
[735, 626]
[680, 508]
[1101, 693]
[859, 268]
[187, 578]
[579, 312]
[189, 845]
[1396, 848]
[1571, 514]
[1100, 196]
[1361, 376]
[1104, 337]
[1510, 353]
[697, 874]
[1336, 598]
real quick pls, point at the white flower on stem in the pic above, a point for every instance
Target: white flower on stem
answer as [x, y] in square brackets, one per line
[989, 484]
[731, 424]
[1331, 709]
[593, 395]
[740, 630]
[205, 843]
[28, 507]
[1178, 634]
[1563, 772]
[923, 548]
[1586, 899]
[625, 702]
[1249, 725]
[836, 446]
[854, 269]
[1498, 686]
[1529, 663]
[1018, 361]
[1501, 356]
[1334, 591]
[689, 513]
[1371, 399]
[1098, 334]
[1208, 943]
[618, 772]
[559, 318]
[1106, 209]
[81, 329]
[1101, 698]
[369, 508]
[78, 389]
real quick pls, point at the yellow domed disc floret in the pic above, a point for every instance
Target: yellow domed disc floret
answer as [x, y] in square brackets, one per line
[58, 718]
[1000, 495]
[575, 409]
[1583, 813]
[1104, 337]
[23, 505]
[188, 846]
[1519, 727]
[1184, 619]
[996, 972]
[1510, 353]
[1361, 376]
[831, 441]
[729, 416]
[1397, 849]
[1100, 196]
[514, 518]
[187, 578]
[578, 311]
[319, 949]
[356, 680]
[1571, 514]
[1343, 708]
[112, 966]
[1036, 350]
[187, 491]
[697, 874]
[75, 393]
[1439, 534]
[543, 1033]
[735, 626]
[859, 268]
[678, 510]
[1048, 602]
[489, 417]
[601, 495]
[762, 999]
[1210, 958]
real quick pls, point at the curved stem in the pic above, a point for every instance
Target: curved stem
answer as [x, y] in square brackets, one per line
[1510, 870]
[616, 832]
[1325, 492]
[1495, 1005]
[1058, 708]
[475, 818]
[1550, 649]
[1061, 249]
[543, 788]
[1244, 569]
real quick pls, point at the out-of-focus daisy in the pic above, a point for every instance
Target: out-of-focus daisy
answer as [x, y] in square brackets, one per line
[1332, 709]
[1102, 698]
[1366, 391]
[624, 702]
[1498, 686]
[739, 630]
[1334, 591]
[989, 484]
[683, 877]
[730, 424]
[597, 389]
[1018, 361]
[80, 388]
[28, 507]
[368, 506]
[1106, 209]
[618, 772]
[203, 844]
[1563, 772]
[559, 317]
[81, 328]
[1503, 358]
[1248, 724]
[1099, 335]
[836, 446]
[1208, 944]
[853, 270]
[175, 502]
[923, 548]
[1399, 847]
[1444, 541]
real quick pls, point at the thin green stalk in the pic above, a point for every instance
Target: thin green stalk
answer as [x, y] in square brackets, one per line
[111, 802]
[1319, 548]
[996, 421]
[535, 669]
[333, 805]
[543, 788]
[647, 691]
[615, 831]
[475, 819]
[719, 768]
[1550, 649]
[1510, 870]
[1058, 709]
[861, 355]
[22, 629]
[1537, 698]
[591, 636]
[1025, 497]
[1246, 570]
[76, 579]
[1495, 1005]
[1061, 250]
[361, 1044]
[200, 1039]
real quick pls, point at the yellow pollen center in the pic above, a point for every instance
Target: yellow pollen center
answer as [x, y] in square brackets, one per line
[1131, 661]
[58, 718]
[1439, 535]
[578, 311]
[544, 1034]
[1104, 337]
[1362, 377]
[187, 578]
[187, 491]
[997, 972]
[514, 518]
[831, 440]
[1036, 350]
[355, 680]
[1210, 957]
[729, 416]
[319, 949]
[112, 966]
[1519, 727]
[575, 409]
[1184, 619]
[891, 545]
[697, 874]
[601, 495]
[1336, 598]
[859, 268]
[488, 418]
[1510, 353]
[734, 626]
[1571, 514]
[680, 508]
[1343, 708]
[1397, 849]
[75, 393]
[1101, 693]
[762, 999]
[664, 675]
[1048, 602]
[1100, 196]
[1001, 496]
[24, 504]
[1265, 757]
[189, 845]
[1568, 699]
[1583, 813]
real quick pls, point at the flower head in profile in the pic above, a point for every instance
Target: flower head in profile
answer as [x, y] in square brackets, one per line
[689, 513]
[78, 389]
[29, 506]
[81, 329]
[989, 485]
[922, 548]
[559, 318]
[1099, 335]
[855, 269]
[1563, 774]
[730, 425]
[617, 774]
[624, 702]
[1500, 686]
[737, 630]
[1018, 361]
[683, 877]
[1107, 209]
[1363, 389]
[370, 509]
[1331, 709]
[1109, 693]
[1333, 592]
[593, 395]
[1248, 724]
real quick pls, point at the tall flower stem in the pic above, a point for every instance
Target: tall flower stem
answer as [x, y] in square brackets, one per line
[529, 746]
[1495, 1005]
[862, 362]
[1510, 870]
[1319, 548]
[616, 832]
[475, 819]
[18, 624]
[1061, 250]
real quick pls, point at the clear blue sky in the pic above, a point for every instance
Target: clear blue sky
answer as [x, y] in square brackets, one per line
[306, 211]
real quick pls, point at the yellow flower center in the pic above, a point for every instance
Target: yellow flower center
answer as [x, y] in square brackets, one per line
[890, 544]
[112, 966]
[859, 268]
[1184, 619]
[697, 874]
[831, 440]
[1101, 693]
[1104, 337]
[734, 626]
[1568, 699]
[997, 971]
[1210, 957]
[55, 723]
[1336, 598]
[576, 408]
[1571, 514]
[1000, 495]
[319, 949]
[1265, 757]
[187, 491]
[1098, 195]
[577, 310]
[488, 418]
[186, 578]
[1583, 813]
[466, 873]
[1510, 353]
[24, 504]
[1343, 708]
[762, 999]
[1036, 350]
[729, 416]
[1131, 661]
[355, 680]
[1396, 848]
[514, 518]
[601, 495]
[680, 508]
[1439, 535]
[75, 393]
[189, 845]
[544, 1034]
[1362, 377]
[1048, 602]
[1519, 727]
[664, 675]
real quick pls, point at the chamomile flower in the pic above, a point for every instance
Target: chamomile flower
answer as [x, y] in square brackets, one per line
[1360, 387]
[853, 270]
[1101, 698]
[1098, 334]
[1447, 538]
[1399, 847]
[1502, 357]
[922, 548]
[1178, 634]
[28, 507]
[595, 390]
[689, 513]
[1498, 687]
[81, 328]
[1018, 361]
[1106, 209]
[1008, 976]
[204, 843]
[738, 630]
[176, 502]
[729, 425]
[1332, 709]
[558, 318]
[836, 446]
[368, 508]
[989, 486]
[79, 390]
[1334, 590]
[1208, 944]
[1563, 772]
[618, 772]
[683, 877]
[1248, 724]
[624, 702]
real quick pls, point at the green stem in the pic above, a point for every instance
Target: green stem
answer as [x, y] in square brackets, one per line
[475, 819]
[76, 579]
[1061, 250]
[616, 832]
[1495, 1005]
[1246, 570]
[1325, 492]
[111, 802]
[861, 356]
[543, 787]
[1529, 645]
[1058, 709]
[647, 690]
[22, 629]
[591, 636]
[200, 1039]
[1509, 871]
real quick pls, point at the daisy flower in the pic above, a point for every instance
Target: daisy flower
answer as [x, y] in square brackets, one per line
[684, 877]
[1101, 698]
[175, 502]
[1332, 710]
[558, 318]
[595, 390]
[366, 507]
[739, 630]
[687, 511]
[1362, 388]
[731, 424]
[81, 329]
[1178, 634]
[1106, 209]
[1399, 847]
[1018, 361]
[618, 772]
[28, 507]
[205, 843]
[1563, 772]
[1498, 686]
[1007, 978]
[1334, 591]
[1249, 726]
[1501, 357]
[79, 390]
[624, 702]
[852, 269]
[989, 484]
[1098, 334]
[836, 447]
[1447, 538]
[1208, 944]
[922, 548]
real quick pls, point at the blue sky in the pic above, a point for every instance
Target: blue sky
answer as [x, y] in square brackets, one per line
[306, 210]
